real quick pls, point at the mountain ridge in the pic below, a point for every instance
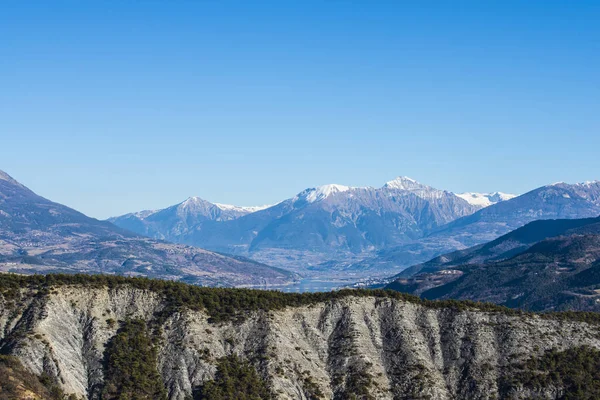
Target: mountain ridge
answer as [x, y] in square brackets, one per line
[556, 201]
[545, 265]
[38, 235]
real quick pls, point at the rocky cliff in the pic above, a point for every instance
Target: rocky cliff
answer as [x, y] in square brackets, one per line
[375, 345]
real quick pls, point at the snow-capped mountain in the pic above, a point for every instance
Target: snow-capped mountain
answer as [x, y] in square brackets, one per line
[485, 199]
[357, 219]
[318, 224]
[400, 223]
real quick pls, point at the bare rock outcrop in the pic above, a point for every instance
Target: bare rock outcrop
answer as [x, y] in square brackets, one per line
[383, 347]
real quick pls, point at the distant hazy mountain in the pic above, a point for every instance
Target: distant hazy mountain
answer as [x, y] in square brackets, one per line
[507, 246]
[545, 265]
[326, 223]
[556, 201]
[174, 222]
[37, 235]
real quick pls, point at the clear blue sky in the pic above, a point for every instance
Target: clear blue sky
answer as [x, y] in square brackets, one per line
[117, 106]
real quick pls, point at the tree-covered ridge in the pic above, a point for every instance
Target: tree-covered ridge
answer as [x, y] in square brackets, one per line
[131, 365]
[223, 304]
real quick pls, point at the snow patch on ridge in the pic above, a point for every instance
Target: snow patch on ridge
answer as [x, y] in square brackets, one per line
[586, 183]
[193, 201]
[242, 209]
[406, 185]
[589, 183]
[144, 214]
[322, 192]
[197, 201]
[485, 199]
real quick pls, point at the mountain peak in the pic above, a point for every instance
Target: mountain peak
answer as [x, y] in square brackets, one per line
[194, 203]
[197, 203]
[322, 192]
[405, 183]
[193, 199]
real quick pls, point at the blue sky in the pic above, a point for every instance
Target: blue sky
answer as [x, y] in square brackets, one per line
[117, 106]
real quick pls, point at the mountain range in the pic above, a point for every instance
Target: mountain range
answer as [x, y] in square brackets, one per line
[363, 231]
[38, 235]
[315, 228]
[327, 231]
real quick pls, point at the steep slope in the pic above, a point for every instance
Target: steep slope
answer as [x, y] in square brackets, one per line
[37, 235]
[560, 272]
[508, 245]
[18, 383]
[355, 344]
[557, 201]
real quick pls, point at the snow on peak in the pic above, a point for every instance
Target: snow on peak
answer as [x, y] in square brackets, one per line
[405, 183]
[192, 206]
[586, 183]
[191, 201]
[322, 192]
[241, 209]
[144, 214]
[485, 199]
[589, 183]
[197, 202]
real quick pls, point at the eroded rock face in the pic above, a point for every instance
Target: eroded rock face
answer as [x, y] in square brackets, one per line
[389, 348]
